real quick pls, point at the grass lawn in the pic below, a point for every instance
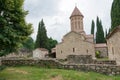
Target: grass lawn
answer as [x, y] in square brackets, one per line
[34, 73]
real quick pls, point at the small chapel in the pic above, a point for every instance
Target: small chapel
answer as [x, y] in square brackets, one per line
[76, 42]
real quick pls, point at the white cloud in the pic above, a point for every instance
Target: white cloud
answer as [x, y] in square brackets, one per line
[56, 14]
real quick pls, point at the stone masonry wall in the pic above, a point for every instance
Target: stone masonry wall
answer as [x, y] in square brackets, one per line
[53, 63]
[79, 59]
[50, 63]
[103, 51]
[87, 59]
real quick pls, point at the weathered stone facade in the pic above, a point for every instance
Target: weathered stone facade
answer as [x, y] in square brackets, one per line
[40, 53]
[21, 53]
[76, 42]
[87, 59]
[79, 59]
[114, 45]
[103, 49]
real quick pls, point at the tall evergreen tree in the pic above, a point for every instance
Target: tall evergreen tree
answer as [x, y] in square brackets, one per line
[41, 39]
[115, 14]
[51, 43]
[100, 33]
[106, 33]
[92, 27]
[13, 28]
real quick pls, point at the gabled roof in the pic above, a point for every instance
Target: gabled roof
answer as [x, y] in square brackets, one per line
[114, 31]
[71, 32]
[76, 12]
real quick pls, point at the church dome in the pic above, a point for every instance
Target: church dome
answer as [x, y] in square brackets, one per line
[76, 12]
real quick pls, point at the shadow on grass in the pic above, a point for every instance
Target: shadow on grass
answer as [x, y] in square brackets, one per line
[2, 68]
[2, 79]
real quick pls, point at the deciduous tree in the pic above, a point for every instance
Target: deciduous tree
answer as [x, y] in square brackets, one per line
[13, 27]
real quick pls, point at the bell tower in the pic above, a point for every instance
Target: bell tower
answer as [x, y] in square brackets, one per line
[76, 20]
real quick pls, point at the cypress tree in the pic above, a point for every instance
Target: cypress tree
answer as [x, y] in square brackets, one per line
[100, 33]
[92, 27]
[115, 14]
[41, 39]
[106, 33]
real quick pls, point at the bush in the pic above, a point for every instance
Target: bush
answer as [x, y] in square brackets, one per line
[97, 54]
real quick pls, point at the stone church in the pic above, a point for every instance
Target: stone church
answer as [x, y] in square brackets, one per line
[76, 42]
[113, 42]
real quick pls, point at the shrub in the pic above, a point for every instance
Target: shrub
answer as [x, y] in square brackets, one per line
[97, 54]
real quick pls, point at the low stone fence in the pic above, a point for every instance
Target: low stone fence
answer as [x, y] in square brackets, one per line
[49, 63]
[53, 63]
[104, 69]
[87, 59]
[107, 62]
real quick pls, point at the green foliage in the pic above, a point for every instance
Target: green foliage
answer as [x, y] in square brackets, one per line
[115, 14]
[2, 67]
[51, 43]
[97, 54]
[34, 73]
[28, 44]
[42, 39]
[92, 27]
[106, 33]
[13, 28]
[100, 33]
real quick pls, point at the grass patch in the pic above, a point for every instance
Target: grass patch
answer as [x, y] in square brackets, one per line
[35, 73]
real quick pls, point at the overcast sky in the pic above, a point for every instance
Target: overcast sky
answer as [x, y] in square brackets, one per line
[56, 13]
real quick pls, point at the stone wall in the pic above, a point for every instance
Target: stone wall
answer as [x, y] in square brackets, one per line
[87, 59]
[74, 44]
[114, 47]
[104, 69]
[49, 63]
[103, 51]
[79, 59]
[53, 63]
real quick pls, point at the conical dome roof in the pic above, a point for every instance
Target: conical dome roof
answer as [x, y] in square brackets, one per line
[76, 12]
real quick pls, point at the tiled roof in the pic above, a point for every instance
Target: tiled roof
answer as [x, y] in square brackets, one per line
[76, 12]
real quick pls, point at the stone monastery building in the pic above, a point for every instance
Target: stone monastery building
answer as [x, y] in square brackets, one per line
[76, 42]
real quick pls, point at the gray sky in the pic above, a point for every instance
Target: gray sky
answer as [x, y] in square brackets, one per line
[56, 13]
